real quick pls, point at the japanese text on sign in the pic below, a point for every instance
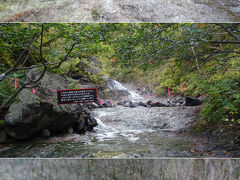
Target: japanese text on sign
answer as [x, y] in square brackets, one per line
[76, 96]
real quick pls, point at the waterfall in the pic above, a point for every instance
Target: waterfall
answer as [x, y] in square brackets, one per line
[134, 97]
[118, 86]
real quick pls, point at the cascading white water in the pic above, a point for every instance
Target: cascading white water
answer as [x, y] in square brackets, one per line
[135, 97]
[118, 86]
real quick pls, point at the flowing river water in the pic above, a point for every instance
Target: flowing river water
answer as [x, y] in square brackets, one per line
[122, 132]
[120, 11]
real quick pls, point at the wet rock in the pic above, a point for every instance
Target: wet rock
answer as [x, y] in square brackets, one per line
[158, 104]
[128, 103]
[165, 125]
[3, 137]
[46, 133]
[202, 98]
[93, 105]
[79, 125]
[120, 103]
[107, 104]
[76, 76]
[178, 101]
[86, 122]
[190, 101]
[142, 104]
[90, 122]
[149, 103]
[70, 130]
[86, 111]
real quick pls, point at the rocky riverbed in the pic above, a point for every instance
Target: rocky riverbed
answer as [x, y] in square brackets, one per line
[125, 132]
[120, 11]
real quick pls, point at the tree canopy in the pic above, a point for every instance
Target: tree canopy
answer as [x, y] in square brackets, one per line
[202, 57]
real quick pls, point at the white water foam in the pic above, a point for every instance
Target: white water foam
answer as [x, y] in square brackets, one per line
[118, 86]
[134, 97]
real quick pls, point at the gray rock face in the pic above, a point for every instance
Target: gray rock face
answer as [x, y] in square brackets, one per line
[158, 104]
[107, 104]
[230, 5]
[33, 113]
[142, 104]
[122, 11]
[128, 103]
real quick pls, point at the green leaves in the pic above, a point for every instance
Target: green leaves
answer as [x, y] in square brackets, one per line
[127, 49]
[2, 122]
[223, 102]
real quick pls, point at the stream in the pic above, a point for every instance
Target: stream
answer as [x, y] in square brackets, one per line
[122, 132]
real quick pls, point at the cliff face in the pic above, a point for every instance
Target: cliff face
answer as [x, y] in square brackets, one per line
[121, 11]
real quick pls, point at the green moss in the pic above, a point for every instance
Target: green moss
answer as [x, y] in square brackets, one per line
[106, 154]
[74, 85]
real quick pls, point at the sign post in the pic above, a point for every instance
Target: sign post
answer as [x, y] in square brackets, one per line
[77, 96]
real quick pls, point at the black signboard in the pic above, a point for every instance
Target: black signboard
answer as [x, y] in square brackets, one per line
[76, 96]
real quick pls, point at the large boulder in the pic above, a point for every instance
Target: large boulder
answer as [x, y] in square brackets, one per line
[33, 113]
[85, 122]
[177, 101]
[158, 104]
[128, 103]
[142, 104]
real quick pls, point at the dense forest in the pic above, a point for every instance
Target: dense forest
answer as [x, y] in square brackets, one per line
[202, 58]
